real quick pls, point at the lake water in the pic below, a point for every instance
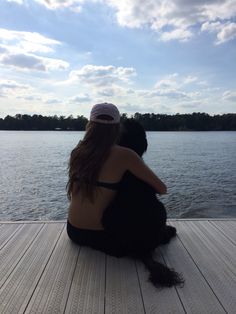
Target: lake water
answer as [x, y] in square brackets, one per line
[199, 169]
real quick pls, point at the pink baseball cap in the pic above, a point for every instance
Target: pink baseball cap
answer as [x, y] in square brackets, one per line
[105, 109]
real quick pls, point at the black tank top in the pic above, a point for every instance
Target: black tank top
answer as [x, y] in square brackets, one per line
[107, 185]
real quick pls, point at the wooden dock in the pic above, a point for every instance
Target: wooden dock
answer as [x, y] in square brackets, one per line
[42, 271]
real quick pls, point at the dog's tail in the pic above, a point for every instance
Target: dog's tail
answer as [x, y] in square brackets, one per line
[161, 275]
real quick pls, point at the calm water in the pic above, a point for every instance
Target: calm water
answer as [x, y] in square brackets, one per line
[199, 169]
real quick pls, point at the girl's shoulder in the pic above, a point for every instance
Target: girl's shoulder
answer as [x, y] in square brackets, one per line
[122, 150]
[124, 154]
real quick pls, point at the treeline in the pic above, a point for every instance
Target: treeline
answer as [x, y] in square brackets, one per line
[150, 121]
[39, 122]
[187, 122]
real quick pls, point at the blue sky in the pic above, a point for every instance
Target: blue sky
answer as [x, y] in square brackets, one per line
[61, 57]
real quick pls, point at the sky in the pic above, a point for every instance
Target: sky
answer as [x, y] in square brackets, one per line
[149, 56]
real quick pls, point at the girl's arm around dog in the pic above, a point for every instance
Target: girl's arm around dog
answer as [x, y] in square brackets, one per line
[136, 165]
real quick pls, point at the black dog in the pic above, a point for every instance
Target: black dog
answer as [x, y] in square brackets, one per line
[136, 217]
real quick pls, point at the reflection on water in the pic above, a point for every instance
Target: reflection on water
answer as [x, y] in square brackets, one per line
[199, 169]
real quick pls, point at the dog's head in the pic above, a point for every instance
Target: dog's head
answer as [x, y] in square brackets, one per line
[133, 136]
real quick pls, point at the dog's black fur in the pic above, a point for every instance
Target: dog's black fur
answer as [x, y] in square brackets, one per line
[136, 217]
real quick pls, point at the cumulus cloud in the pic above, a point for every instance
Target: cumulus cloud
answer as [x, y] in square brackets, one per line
[229, 95]
[103, 81]
[32, 62]
[107, 92]
[190, 79]
[224, 31]
[177, 16]
[227, 32]
[19, 49]
[102, 76]
[168, 81]
[169, 93]
[16, 1]
[10, 84]
[176, 81]
[11, 87]
[172, 19]
[74, 5]
[31, 98]
[27, 41]
[23, 61]
[180, 34]
[131, 108]
[174, 87]
[81, 98]
[3, 49]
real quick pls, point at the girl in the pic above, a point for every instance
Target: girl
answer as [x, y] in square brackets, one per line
[96, 167]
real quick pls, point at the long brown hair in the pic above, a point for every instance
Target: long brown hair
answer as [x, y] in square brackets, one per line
[88, 156]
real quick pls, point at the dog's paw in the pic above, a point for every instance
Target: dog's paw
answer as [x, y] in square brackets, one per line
[171, 231]
[168, 233]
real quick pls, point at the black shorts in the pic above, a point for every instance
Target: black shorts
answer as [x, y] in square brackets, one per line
[96, 239]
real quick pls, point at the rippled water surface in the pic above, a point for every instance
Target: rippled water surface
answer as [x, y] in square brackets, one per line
[199, 169]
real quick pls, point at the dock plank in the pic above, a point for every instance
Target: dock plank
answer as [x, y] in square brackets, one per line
[218, 242]
[219, 277]
[122, 295]
[196, 295]
[51, 293]
[19, 286]
[16, 247]
[88, 284]
[228, 228]
[7, 231]
[158, 300]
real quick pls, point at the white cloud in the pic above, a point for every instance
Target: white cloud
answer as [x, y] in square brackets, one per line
[7, 85]
[11, 88]
[102, 76]
[190, 79]
[173, 19]
[174, 87]
[107, 92]
[178, 34]
[176, 81]
[16, 1]
[23, 61]
[229, 95]
[52, 101]
[211, 26]
[219, 9]
[110, 83]
[30, 98]
[80, 98]
[27, 41]
[32, 62]
[61, 4]
[19, 49]
[169, 93]
[2, 49]
[168, 81]
[130, 108]
[225, 31]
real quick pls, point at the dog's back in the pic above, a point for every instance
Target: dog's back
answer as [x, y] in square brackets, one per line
[135, 210]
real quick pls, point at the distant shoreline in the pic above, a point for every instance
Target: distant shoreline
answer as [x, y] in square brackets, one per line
[187, 131]
[196, 121]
